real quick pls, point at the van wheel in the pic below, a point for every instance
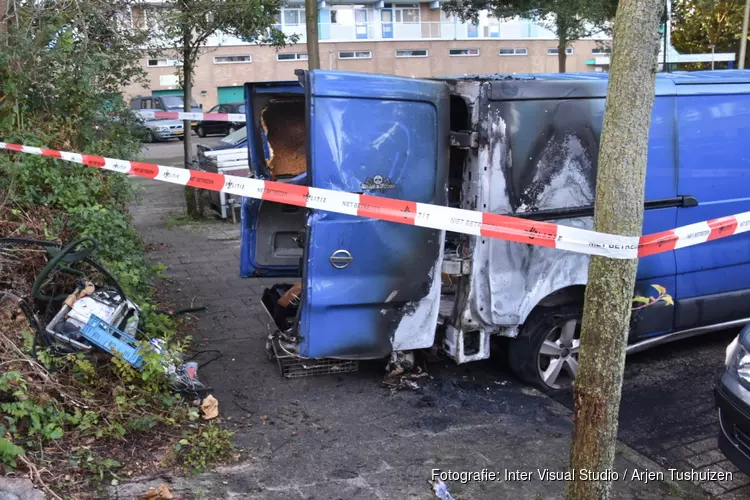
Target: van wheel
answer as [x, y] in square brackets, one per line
[200, 131]
[546, 351]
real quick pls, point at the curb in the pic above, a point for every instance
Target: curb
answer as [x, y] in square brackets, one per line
[682, 489]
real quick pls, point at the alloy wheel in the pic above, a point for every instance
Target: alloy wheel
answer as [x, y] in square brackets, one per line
[558, 355]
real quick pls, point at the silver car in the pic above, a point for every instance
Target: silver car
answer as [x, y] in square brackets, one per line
[162, 130]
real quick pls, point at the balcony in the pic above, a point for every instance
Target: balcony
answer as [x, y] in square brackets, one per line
[437, 30]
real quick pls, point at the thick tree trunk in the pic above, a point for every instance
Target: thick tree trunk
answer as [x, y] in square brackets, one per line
[619, 210]
[311, 22]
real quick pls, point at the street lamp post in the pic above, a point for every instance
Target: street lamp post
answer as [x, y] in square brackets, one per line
[713, 54]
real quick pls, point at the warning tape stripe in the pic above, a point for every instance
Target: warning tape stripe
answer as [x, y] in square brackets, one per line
[458, 220]
[182, 115]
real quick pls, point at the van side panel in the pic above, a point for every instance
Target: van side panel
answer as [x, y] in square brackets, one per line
[539, 153]
[713, 278]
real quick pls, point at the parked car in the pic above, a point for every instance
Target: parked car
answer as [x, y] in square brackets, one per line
[525, 146]
[733, 403]
[163, 103]
[210, 127]
[162, 130]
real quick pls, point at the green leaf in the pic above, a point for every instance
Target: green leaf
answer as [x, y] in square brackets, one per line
[668, 299]
[9, 451]
[659, 289]
[184, 442]
[642, 300]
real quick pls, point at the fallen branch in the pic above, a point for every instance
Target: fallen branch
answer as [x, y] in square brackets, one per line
[36, 477]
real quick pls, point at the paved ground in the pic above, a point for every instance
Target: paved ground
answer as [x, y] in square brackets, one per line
[311, 437]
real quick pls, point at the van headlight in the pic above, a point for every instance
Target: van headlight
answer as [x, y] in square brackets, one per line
[738, 358]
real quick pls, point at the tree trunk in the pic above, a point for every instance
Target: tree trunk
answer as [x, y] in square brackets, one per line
[191, 194]
[311, 22]
[3, 16]
[619, 210]
[562, 45]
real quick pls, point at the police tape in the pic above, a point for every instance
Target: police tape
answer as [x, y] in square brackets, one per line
[458, 220]
[180, 115]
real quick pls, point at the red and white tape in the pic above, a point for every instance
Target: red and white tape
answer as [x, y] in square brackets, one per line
[457, 220]
[180, 115]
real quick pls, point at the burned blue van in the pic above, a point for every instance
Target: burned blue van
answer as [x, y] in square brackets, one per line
[524, 146]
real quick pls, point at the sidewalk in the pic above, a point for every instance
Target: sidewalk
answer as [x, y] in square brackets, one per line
[346, 436]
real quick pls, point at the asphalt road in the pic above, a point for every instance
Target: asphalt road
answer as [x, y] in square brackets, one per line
[171, 151]
[667, 395]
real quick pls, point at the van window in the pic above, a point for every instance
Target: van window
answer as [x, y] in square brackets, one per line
[147, 103]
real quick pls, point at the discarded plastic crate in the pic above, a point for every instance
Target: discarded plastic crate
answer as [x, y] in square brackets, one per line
[292, 366]
[110, 339]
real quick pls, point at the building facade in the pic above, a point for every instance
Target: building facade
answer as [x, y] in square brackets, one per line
[406, 39]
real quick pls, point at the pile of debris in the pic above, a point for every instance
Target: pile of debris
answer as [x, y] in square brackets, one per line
[79, 369]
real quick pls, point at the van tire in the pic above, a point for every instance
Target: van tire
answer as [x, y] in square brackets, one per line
[200, 131]
[548, 324]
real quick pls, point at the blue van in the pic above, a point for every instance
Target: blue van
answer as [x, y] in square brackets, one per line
[525, 146]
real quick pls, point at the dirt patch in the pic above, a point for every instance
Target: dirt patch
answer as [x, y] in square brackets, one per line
[284, 125]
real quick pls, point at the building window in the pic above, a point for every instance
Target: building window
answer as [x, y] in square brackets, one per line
[343, 15]
[405, 13]
[355, 54]
[294, 17]
[601, 51]
[464, 52]
[233, 59]
[514, 52]
[555, 51]
[161, 62]
[412, 53]
[296, 56]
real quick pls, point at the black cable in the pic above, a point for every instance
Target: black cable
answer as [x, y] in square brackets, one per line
[184, 310]
[206, 363]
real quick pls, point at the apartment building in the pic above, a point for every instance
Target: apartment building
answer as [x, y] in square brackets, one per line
[406, 39]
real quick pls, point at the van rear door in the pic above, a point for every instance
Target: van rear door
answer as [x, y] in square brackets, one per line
[372, 286]
[270, 230]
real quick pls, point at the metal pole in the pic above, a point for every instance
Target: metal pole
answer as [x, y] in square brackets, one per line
[743, 40]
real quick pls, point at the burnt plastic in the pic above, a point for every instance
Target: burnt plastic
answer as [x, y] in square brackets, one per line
[282, 316]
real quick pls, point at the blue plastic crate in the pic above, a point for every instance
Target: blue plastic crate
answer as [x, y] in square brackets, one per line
[107, 337]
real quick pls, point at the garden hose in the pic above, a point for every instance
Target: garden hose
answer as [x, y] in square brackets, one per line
[72, 258]
[63, 255]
